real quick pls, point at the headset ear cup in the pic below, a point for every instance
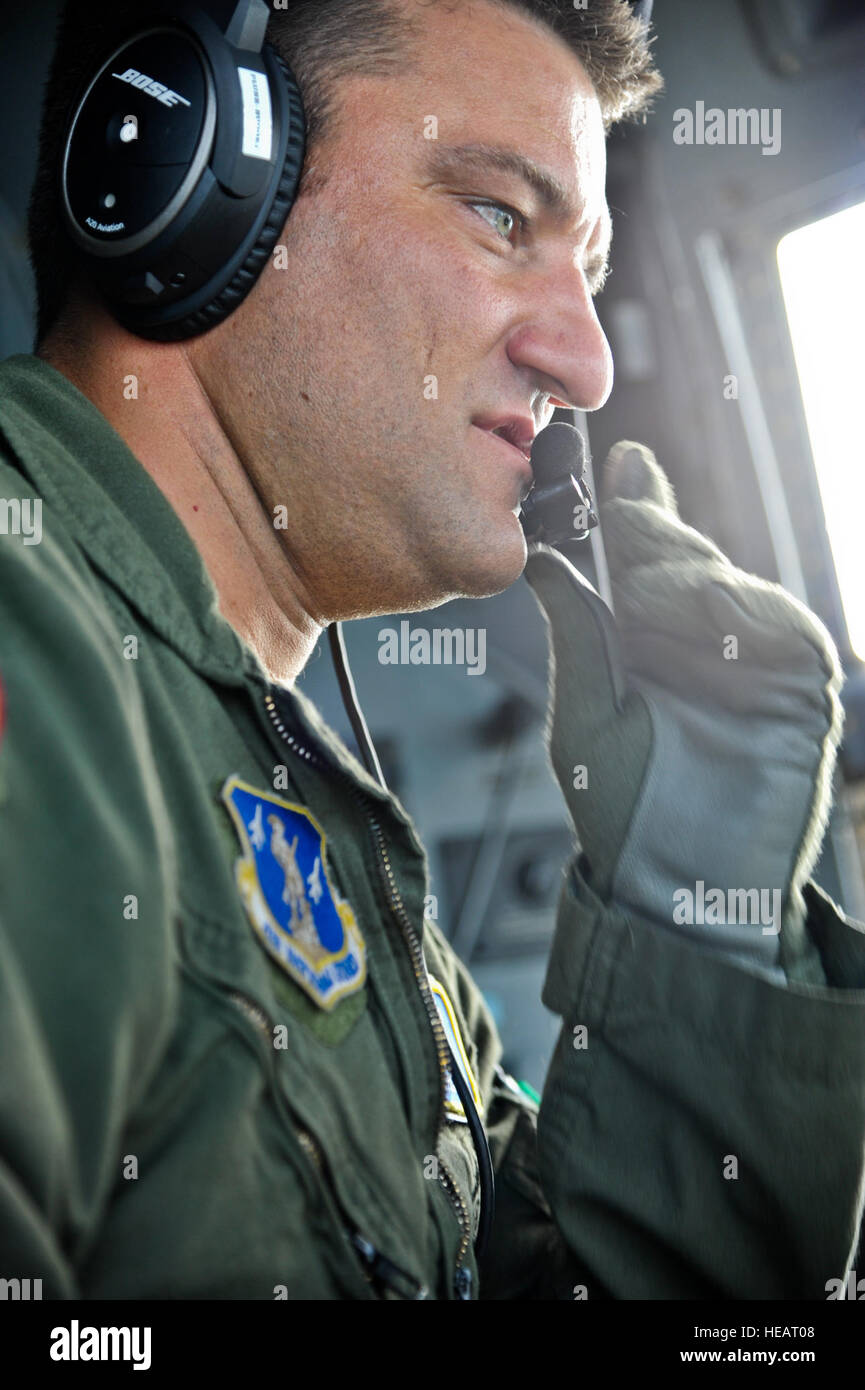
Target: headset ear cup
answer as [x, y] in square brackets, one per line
[245, 277]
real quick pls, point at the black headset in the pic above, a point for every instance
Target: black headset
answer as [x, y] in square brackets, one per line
[181, 163]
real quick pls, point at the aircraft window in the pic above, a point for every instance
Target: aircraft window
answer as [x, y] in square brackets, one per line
[823, 283]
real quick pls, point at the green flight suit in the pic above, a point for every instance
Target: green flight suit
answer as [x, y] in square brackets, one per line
[179, 1118]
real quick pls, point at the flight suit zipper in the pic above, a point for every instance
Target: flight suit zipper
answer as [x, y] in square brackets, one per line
[462, 1277]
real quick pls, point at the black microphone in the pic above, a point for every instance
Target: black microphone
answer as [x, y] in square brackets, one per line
[559, 507]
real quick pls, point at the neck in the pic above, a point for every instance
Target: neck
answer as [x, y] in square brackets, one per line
[151, 394]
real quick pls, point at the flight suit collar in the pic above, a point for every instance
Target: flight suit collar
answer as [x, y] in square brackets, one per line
[104, 497]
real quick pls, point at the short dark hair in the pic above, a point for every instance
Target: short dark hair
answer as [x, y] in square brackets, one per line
[322, 41]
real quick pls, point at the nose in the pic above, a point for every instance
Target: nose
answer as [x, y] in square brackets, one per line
[561, 342]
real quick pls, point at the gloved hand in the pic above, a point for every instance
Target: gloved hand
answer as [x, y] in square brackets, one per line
[695, 735]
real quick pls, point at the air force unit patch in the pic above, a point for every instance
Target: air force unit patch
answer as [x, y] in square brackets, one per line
[294, 909]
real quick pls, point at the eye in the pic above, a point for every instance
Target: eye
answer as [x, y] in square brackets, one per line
[504, 220]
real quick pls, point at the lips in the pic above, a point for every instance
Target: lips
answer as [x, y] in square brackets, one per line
[517, 430]
[517, 456]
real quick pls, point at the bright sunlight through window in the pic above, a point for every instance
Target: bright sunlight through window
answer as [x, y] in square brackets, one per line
[822, 270]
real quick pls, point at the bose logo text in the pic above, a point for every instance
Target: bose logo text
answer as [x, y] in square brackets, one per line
[153, 89]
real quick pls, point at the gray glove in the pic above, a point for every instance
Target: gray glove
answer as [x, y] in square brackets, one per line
[695, 736]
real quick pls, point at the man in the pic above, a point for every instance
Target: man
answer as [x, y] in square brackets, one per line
[224, 1014]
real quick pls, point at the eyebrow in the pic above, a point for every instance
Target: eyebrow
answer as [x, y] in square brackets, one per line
[448, 160]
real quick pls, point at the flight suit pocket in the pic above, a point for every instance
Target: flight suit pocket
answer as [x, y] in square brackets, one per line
[361, 1267]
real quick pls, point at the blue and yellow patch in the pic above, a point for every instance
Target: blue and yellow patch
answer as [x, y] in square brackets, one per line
[294, 909]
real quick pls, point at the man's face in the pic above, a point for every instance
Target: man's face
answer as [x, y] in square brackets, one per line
[418, 310]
